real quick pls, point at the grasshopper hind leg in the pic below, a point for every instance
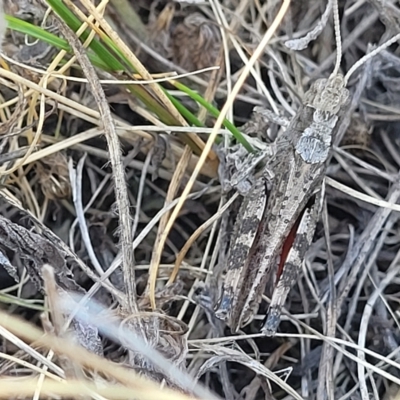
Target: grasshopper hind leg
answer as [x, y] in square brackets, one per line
[292, 267]
[234, 286]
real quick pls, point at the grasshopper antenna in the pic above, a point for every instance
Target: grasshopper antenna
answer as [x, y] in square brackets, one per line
[373, 53]
[336, 24]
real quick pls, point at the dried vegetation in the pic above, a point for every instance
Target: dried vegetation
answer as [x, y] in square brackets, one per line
[87, 169]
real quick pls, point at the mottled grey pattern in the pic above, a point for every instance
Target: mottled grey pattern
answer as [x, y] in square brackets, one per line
[326, 96]
[304, 236]
[249, 217]
[262, 227]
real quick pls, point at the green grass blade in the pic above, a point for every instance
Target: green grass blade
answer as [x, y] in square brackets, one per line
[215, 113]
[103, 58]
[74, 23]
[17, 301]
[53, 40]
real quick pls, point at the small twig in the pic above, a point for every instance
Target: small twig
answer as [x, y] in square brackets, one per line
[196, 234]
[166, 224]
[391, 272]
[121, 194]
[302, 43]
[76, 184]
[139, 198]
[118, 259]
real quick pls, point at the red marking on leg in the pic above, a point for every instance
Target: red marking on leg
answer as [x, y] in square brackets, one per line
[287, 245]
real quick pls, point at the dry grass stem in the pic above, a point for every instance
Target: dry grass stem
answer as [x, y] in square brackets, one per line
[120, 191]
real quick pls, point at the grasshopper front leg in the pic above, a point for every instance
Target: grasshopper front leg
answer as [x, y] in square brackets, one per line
[290, 267]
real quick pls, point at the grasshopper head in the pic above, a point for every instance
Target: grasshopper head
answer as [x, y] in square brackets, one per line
[327, 95]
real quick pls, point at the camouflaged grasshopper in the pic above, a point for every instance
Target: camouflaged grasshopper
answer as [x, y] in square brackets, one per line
[273, 234]
[277, 219]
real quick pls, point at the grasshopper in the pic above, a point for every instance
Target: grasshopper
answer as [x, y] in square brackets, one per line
[281, 228]
[278, 217]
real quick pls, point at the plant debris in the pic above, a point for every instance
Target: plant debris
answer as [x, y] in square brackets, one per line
[106, 291]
